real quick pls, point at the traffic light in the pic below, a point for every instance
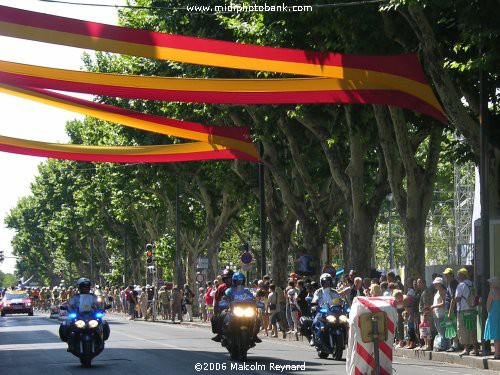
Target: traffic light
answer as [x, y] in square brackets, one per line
[149, 254]
[2, 257]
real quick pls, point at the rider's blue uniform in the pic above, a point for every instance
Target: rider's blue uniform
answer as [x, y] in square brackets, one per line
[323, 296]
[239, 294]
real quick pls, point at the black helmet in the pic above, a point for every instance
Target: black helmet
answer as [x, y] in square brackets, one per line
[326, 280]
[227, 275]
[83, 285]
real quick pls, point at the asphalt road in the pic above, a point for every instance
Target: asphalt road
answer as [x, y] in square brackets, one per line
[31, 345]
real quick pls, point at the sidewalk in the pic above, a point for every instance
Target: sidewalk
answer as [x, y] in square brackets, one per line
[482, 363]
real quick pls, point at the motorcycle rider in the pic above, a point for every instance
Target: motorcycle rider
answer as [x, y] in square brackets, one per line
[326, 294]
[238, 293]
[85, 301]
[218, 319]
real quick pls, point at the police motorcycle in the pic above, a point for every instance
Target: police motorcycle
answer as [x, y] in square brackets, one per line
[85, 330]
[241, 322]
[329, 333]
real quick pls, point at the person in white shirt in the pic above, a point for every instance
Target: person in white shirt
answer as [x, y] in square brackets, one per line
[467, 333]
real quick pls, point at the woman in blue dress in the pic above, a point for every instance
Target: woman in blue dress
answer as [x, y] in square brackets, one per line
[492, 328]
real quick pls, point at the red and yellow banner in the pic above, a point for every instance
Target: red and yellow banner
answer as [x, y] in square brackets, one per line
[391, 80]
[401, 73]
[127, 154]
[231, 137]
[229, 91]
[235, 141]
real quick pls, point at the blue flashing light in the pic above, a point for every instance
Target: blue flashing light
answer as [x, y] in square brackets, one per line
[323, 311]
[99, 315]
[72, 315]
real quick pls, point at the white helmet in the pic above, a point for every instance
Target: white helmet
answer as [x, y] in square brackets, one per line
[324, 278]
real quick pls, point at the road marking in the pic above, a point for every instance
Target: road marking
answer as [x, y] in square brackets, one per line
[37, 346]
[431, 368]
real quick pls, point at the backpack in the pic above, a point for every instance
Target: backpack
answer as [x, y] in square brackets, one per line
[472, 298]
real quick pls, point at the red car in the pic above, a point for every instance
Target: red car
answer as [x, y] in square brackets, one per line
[16, 302]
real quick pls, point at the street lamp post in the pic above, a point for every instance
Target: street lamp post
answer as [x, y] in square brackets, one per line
[262, 214]
[391, 250]
[124, 258]
[178, 268]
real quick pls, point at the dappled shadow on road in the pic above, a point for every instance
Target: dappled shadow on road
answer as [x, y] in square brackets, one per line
[158, 361]
[31, 337]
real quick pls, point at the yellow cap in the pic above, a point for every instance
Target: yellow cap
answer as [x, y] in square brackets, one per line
[464, 272]
[447, 271]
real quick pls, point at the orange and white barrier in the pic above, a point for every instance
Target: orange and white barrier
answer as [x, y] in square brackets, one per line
[360, 355]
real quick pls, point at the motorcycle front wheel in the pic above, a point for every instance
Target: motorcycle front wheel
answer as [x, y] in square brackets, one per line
[86, 359]
[243, 342]
[339, 344]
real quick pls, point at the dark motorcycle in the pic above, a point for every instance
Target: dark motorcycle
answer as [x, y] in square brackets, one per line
[238, 328]
[85, 334]
[330, 334]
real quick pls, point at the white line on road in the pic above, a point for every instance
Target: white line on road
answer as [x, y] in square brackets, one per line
[430, 368]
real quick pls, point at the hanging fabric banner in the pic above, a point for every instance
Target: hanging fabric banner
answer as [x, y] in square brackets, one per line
[402, 73]
[228, 91]
[196, 151]
[234, 138]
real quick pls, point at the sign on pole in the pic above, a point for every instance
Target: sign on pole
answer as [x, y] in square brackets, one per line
[200, 277]
[202, 263]
[246, 257]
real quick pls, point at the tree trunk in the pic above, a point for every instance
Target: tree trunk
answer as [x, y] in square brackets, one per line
[415, 245]
[360, 229]
[450, 97]
[282, 222]
[413, 201]
[314, 238]
[213, 266]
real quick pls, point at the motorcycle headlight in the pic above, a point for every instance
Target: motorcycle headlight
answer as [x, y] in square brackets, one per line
[80, 324]
[331, 319]
[99, 299]
[28, 304]
[93, 323]
[343, 319]
[241, 312]
[249, 312]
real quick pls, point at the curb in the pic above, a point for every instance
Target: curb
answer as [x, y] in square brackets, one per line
[482, 363]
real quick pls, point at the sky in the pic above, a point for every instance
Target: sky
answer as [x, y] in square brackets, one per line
[29, 120]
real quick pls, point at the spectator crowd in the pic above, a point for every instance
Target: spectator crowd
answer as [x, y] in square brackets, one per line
[441, 316]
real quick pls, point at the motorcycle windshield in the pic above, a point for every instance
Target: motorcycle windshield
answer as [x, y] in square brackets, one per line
[86, 303]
